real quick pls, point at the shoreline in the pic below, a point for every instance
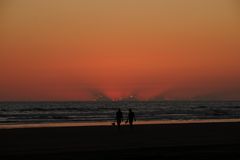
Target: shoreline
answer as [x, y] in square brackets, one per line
[108, 123]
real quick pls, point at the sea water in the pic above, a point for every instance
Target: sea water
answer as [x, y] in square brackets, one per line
[41, 112]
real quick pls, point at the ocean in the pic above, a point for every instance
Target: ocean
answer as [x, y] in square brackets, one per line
[41, 112]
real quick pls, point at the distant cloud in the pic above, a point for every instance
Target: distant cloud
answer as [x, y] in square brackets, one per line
[221, 94]
[200, 93]
[99, 95]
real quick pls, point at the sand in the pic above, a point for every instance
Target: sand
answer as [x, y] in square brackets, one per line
[143, 141]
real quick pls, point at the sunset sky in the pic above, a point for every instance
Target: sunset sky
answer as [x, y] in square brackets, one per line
[150, 49]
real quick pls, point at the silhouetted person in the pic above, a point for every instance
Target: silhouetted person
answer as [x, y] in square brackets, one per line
[119, 117]
[131, 117]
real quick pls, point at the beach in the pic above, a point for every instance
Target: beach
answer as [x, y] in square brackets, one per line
[143, 141]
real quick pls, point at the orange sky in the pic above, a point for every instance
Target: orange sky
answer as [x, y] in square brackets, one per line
[151, 49]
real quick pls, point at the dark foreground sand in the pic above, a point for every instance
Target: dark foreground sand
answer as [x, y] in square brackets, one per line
[157, 141]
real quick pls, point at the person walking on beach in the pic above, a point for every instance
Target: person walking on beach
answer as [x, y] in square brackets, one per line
[131, 117]
[119, 117]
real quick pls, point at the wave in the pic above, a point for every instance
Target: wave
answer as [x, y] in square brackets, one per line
[100, 111]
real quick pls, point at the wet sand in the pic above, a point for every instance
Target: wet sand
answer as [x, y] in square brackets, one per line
[107, 123]
[146, 141]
